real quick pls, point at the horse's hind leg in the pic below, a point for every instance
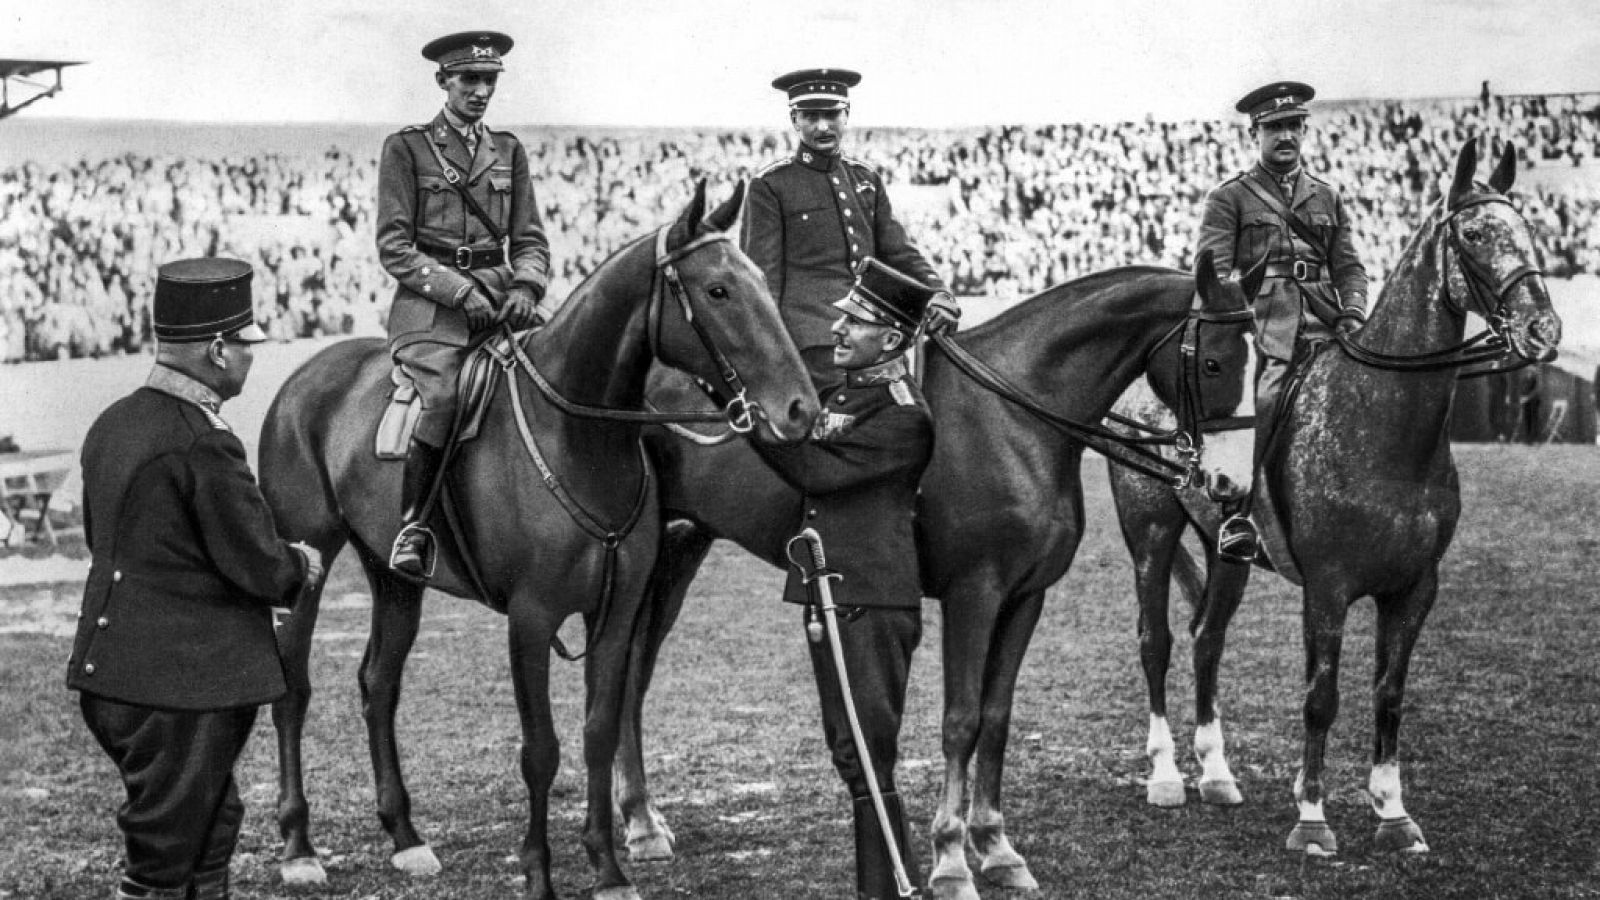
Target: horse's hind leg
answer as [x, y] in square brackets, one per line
[1399, 624]
[396, 614]
[999, 862]
[1323, 620]
[1152, 523]
[299, 865]
[683, 549]
[1224, 589]
[969, 620]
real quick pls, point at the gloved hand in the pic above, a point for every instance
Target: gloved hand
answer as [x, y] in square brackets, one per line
[943, 314]
[1347, 324]
[479, 309]
[314, 569]
[521, 309]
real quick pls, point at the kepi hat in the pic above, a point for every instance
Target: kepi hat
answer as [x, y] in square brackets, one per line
[204, 299]
[883, 296]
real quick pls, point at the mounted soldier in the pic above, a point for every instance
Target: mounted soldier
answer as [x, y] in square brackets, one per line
[459, 229]
[1298, 222]
[810, 220]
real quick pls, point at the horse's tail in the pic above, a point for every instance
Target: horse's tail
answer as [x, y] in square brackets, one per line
[1191, 582]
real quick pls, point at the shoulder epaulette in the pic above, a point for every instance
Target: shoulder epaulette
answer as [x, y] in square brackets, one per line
[852, 161]
[1238, 177]
[410, 128]
[901, 392]
[773, 167]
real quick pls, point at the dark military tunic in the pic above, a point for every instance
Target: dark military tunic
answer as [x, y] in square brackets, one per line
[175, 646]
[808, 222]
[859, 473]
[1238, 227]
[424, 228]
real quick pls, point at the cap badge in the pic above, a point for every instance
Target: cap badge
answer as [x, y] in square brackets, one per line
[484, 53]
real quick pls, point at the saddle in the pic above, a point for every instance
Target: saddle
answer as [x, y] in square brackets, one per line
[475, 384]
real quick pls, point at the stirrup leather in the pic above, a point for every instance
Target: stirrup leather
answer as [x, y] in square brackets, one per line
[1237, 539]
[430, 558]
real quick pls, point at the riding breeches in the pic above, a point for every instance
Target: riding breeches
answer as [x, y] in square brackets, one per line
[433, 367]
[183, 811]
[878, 644]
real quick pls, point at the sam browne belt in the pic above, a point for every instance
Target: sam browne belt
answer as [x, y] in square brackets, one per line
[467, 257]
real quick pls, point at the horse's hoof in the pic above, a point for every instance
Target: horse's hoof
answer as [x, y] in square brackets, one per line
[952, 889]
[1400, 836]
[1221, 792]
[418, 862]
[621, 892]
[306, 871]
[1165, 794]
[1313, 839]
[650, 848]
[1013, 875]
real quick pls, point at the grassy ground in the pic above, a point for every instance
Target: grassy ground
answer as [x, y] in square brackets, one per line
[1500, 766]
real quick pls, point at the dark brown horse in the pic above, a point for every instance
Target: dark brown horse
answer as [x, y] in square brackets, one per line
[1366, 485]
[1002, 511]
[559, 509]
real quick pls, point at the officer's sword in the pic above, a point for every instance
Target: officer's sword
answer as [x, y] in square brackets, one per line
[813, 566]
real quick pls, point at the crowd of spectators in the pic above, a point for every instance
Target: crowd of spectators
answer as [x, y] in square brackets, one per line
[1013, 209]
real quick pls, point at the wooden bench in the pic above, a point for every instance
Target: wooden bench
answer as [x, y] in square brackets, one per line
[28, 484]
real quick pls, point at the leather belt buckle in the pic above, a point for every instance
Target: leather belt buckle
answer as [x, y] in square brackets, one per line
[463, 258]
[1304, 271]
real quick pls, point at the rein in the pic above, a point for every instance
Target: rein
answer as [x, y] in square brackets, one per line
[1132, 452]
[1486, 293]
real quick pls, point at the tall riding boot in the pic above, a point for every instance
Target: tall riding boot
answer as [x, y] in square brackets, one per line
[413, 552]
[874, 866]
[212, 885]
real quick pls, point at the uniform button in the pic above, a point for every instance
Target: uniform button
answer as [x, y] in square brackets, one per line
[835, 179]
[427, 289]
[840, 400]
[804, 216]
[850, 228]
[102, 622]
[810, 514]
[426, 270]
[847, 214]
[117, 575]
[842, 196]
[88, 668]
[855, 246]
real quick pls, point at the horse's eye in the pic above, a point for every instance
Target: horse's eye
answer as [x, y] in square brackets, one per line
[718, 292]
[1472, 234]
[1213, 367]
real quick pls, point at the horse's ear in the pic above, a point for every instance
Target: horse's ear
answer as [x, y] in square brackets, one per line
[1505, 172]
[721, 218]
[697, 207]
[1251, 282]
[1205, 275]
[1466, 165]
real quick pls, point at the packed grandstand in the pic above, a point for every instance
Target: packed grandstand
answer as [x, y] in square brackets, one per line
[1003, 211]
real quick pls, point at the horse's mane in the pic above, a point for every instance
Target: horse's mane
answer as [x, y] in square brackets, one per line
[1091, 287]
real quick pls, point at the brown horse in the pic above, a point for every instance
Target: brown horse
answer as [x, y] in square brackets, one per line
[559, 508]
[1366, 485]
[1002, 510]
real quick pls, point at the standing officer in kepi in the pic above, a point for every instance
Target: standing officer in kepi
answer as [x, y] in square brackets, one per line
[175, 647]
[859, 473]
[1298, 222]
[458, 228]
[811, 219]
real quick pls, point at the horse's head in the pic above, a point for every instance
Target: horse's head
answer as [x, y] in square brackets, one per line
[714, 318]
[1208, 377]
[1497, 268]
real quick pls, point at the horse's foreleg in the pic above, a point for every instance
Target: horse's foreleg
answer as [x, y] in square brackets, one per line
[529, 634]
[1323, 619]
[1398, 627]
[299, 865]
[969, 619]
[1153, 546]
[1000, 863]
[396, 615]
[1224, 589]
[683, 549]
[606, 681]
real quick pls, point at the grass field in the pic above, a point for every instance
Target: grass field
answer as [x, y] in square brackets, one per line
[1501, 769]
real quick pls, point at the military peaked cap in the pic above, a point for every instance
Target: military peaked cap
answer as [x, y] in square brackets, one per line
[202, 299]
[883, 296]
[1279, 100]
[818, 88]
[469, 51]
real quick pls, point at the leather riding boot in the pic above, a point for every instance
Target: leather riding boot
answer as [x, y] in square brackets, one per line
[413, 552]
[211, 885]
[130, 889]
[874, 866]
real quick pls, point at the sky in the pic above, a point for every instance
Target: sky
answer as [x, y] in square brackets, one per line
[927, 63]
